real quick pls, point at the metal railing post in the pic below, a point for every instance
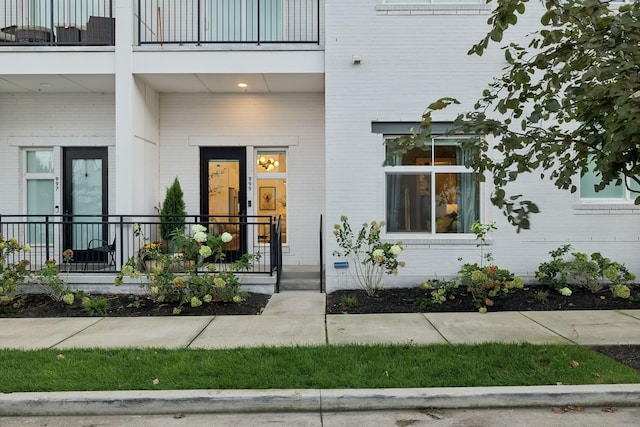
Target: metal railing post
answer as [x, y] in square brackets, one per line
[51, 25]
[112, 25]
[321, 254]
[121, 242]
[46, 238]
[199, 19]
[139, 22]
[258, 35]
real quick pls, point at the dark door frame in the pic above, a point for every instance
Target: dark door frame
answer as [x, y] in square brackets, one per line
[226, 153]
[68, 155]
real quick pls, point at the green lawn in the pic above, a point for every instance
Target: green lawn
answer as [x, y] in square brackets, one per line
[308, 367]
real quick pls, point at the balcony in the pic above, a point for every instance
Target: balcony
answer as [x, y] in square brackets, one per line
[198, 22]
[57, 23]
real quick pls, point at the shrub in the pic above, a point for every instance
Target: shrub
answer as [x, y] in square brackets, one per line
[51, 284]
[207, 279]
[486, 282]
[591, 272]
[173, 211]
[13, 270]
[348, 302]
[371, 257]
[441, 291]
[96, 306]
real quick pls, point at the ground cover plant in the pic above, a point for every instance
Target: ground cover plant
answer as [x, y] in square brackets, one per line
[374, 366]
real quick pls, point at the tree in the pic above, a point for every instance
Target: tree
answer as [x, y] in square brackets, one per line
[173, 211]
[567, 102]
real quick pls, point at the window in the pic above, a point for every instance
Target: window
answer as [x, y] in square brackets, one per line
[431, 191]
[271, 179]
[40, 194]
[611, 192]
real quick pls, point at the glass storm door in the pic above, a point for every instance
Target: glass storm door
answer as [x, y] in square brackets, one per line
[85, 202]
[223, 199]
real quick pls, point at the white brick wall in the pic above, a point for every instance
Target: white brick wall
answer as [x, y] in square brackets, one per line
[409, 61]
[49, 120]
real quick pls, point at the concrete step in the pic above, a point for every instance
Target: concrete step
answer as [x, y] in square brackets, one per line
[296, 303]
[300, 278]
[300, 284]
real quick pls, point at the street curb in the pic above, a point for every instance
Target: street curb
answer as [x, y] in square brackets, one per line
[145, 402]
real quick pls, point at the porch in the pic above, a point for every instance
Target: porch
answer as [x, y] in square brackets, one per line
[101, 245]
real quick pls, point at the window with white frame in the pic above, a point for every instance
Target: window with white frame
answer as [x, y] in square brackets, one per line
[430, 191]
[610, 193]
[39, 187]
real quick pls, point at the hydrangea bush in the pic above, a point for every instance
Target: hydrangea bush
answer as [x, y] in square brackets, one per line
[593, 273]
[12, 274]
[194, 274]
[371, 257]
[485, 282]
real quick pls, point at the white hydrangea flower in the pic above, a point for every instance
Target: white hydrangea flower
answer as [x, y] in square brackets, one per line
[565, 292]
[378, 255]
[200, 237]
[198, 229]
[395, 250]
[226, 237]
[205, 251]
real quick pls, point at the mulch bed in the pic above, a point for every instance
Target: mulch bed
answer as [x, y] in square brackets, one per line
[407, 300]
[127, 305]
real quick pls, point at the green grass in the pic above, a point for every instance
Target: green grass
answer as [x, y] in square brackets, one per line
[308, 367]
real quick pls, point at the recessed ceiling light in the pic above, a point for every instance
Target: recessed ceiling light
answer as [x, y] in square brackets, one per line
[242, 85]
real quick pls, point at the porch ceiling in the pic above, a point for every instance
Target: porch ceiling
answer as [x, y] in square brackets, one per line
[57, 83]
[180, 83]
[228, 83]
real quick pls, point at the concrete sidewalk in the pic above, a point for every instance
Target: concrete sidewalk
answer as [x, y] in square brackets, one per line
[298, 318]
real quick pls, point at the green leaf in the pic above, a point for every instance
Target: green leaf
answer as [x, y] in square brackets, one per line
[496, 35]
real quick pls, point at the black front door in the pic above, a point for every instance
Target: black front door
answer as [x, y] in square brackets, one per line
[85, 202]
[223, 197]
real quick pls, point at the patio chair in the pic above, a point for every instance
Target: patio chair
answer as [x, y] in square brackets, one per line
[99, 249]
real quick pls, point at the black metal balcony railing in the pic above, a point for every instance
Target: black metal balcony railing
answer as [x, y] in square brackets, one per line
[57, 22]
[228, 21]
[103, 244]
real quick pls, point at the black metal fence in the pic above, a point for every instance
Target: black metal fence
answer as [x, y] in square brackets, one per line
[57, 22]
[228, 21]
[103, 244]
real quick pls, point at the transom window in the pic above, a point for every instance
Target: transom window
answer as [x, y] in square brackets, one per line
[431, 191]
